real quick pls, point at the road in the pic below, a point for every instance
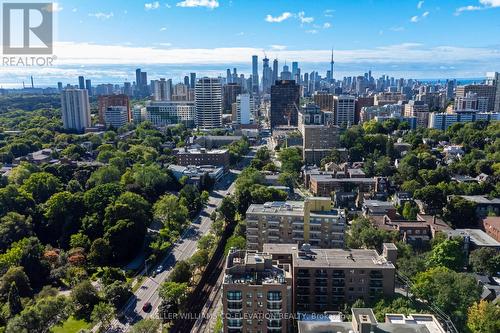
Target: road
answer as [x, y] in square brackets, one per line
[181, 250]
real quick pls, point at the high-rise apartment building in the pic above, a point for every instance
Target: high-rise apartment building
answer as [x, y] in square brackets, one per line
[75, 109]
[324, 100]
[88, 86]
[266, 76]
[208, 101]
[170, 113]
[344, 110]
[471, 102]
[231, 91]
[319, 134]
[275, 72]
[418, 109]
[245, 109]
[285, 98]
[116, 116]
[256, 293]
[481, 90]
[106, 101]
[192, 80]
[255, 74]
[493, 79]
[81, 82]
[162, 90]
[312, 221]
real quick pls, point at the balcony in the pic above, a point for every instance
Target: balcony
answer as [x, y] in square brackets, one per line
[303, 282]
[235, 306]
[321, 282]
[234, 324]
[303, 273]
[376, 275]
[273, 222]
[274, 306]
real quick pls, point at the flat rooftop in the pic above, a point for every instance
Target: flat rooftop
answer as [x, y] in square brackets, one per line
[288, 208]
[480, 199]
[477, 236]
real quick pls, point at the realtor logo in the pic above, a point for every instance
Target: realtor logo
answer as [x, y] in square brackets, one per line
[27, 28]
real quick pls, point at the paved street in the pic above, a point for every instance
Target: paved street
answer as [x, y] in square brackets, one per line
[182, 250]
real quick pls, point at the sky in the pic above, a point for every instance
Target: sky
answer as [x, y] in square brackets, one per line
[404, 38]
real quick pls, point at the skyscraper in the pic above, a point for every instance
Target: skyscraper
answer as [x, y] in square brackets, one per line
[493, 78]
[81, 82]
[88, 86]
[344, 110]
[285, 95]
[231, 91]
[331, 68]
[229, 78]
[162, 90]
[138, 77]
[245, 109]
[286, 74]
[192, 83]
[275, 71]
[75, 108]
[208, 102]
[186, 80]
[255, 74]
[266, 76]
[106, 101]
[295, 68]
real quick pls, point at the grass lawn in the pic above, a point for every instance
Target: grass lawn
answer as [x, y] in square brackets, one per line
[72, 325]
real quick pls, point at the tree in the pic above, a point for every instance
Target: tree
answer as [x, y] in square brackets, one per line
[363, 234]
[237, 242]
[100, 252]
[14, 227]
[190, 197]
[84, 297]
[287, 179]
[150, 180]
[431, 196]
[171, 212]
[460, 213]
[291, 160]
[104, 175]
[227, 209]
[174, 292]
[449, 254]
[146, 326]
[79, 240]
[41, 186]
[12, 199]
[485, 261]
[102, 315]
[181, 272]
[63, 213]
[14, 300]
[40, 317]
[410, 211]
[483, 317]
[15, 275]
[452, 292]
[117, 293]
[98, 198]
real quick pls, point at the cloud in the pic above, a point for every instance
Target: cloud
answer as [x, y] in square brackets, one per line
[152, 5]
[163, 29]
[312, 31]
[486, 4]
[304, 19]
[278, 47]
[416, 18]
[71, 53]
[102, 15]
[74, 10]
[420, 4]
[397, 29]
[241, 33]
[327, 25]
[278, 19]
[199, 3]
[328, 13]
[165, 44]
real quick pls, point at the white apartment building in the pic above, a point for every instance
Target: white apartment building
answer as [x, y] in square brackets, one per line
[116, 116]
[208, 102]
[170, 113]
[75, 109]
[344, 108]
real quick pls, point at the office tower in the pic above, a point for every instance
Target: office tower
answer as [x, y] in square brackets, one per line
[286, 74]
[127, 89]
[106, 101]
[75, 109]
[229, 77]
[450, 89]
[266, 76]
[344, 110]
[230, 92]
[245, 109]
[165, 113]
[144, 84]
[313, 221]
[116, 116]
[256, 287]
[255, 74]
[275, 71]
[295, 69]
[81, 82]
[306, 83]
[192, 82]
[88, 86]
[482, 90]
[208, 101]
[418, 109]
[186, 81]
[285, 97]
[138, 77]
[59, 86]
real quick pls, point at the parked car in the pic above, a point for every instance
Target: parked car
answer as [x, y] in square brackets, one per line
[147, 307]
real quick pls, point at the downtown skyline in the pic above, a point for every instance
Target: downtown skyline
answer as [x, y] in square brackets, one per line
[421, 39]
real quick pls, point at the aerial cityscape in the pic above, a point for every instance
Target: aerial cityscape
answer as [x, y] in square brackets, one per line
[250, 166]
